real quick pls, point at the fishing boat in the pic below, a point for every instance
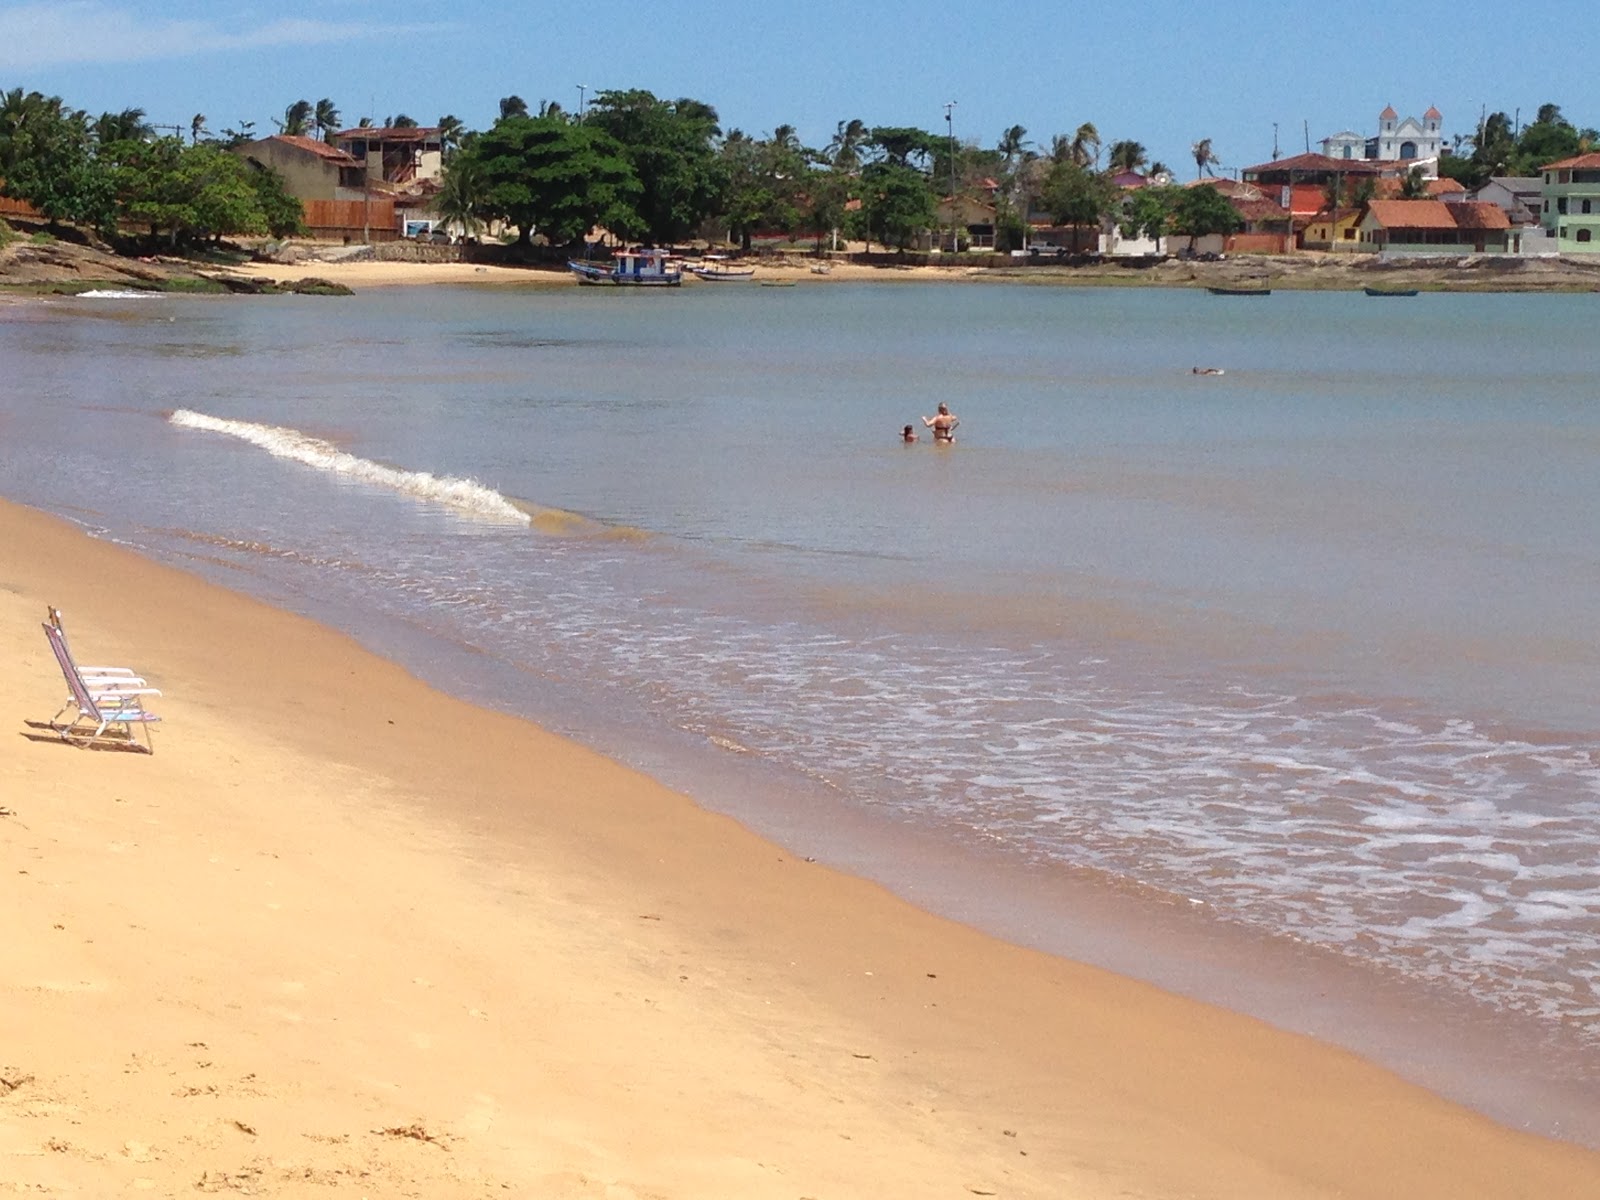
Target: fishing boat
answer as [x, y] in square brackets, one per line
[630, 268]
[1374, 291]
[717, 267]
[1240, 291]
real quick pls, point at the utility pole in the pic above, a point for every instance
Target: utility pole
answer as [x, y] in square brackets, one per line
[950, 129]
[583, 108]
[1274, 141]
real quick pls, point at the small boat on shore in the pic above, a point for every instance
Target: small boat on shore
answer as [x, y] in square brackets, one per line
[1239, 291]
[629, 268]
[1376, 291]
[716, 267]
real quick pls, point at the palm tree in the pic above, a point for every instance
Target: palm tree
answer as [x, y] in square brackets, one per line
[784, 138]
[1204, 159]
[844, 151]
[364, 123]
[1012, 143]
[296, 118]
[513, 106]
[128, 125]
[400, 121]
[1126, 156]
[451, 129]
[197, 126]
[326, 119]
[460, 197]
[1414, 186]
[1085, 145]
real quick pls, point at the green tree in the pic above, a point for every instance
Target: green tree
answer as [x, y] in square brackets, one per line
[765, 183]
[326, 118]
[296, 119]
[460, 202]
[1126, 156]
[1148, 211]
[1201, 211]
[556, 177]
[896, 203]
[513, 106]
[1084, 147]
[48, 159]
[1415, 185]
[670, 144]
[451, 130]
[185, 193]
[844, 151]
[128, 125]
[906, 146]
[1075, 196]
[282, 214]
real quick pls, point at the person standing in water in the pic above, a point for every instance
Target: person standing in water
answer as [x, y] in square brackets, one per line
[943, 425]
[909, 434]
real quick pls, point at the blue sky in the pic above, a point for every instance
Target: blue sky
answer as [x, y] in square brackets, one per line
[1162, 72]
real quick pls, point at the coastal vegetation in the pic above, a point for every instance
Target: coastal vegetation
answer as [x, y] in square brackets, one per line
[662, 171]
[111, 175]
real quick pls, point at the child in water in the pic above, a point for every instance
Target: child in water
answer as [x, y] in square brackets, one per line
[908, 434]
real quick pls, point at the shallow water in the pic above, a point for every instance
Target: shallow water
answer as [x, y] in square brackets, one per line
[1293, 664]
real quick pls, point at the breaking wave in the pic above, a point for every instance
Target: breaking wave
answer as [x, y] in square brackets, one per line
[468, 495]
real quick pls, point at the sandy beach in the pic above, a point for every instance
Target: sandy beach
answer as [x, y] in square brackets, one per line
[344, 934]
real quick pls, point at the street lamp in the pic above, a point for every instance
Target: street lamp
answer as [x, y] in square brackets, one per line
[950, 129]
[583, 88]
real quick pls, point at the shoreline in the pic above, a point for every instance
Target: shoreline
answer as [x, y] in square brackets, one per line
[30, 269]
[572, 976]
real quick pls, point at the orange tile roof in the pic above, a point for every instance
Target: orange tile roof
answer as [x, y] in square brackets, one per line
[313, 146]
[1320, 162]
[1479, 214]
[1412, 214]
[1389, 189]
[1584, 162]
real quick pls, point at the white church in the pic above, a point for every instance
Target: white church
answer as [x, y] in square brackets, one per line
[1397, 140]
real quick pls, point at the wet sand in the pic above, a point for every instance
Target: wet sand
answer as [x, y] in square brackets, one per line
[343, 930]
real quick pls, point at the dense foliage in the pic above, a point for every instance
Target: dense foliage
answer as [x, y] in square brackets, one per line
[1499, 148]
[662, 171]
[111, 174]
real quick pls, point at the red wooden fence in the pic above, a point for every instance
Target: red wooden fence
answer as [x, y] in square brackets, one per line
[351, 219]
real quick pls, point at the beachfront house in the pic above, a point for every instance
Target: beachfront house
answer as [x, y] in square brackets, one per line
[1413, 227]
[366, 189]
[1571, 203]
[310, 169]
[1334, 229]
[398, 156]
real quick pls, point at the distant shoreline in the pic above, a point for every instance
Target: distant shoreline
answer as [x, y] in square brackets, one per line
[32, 268]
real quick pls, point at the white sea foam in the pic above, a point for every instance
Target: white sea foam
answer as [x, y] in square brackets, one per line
[467, 495]
[116, 294]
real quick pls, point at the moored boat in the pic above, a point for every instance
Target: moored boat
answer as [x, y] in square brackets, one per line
[630, 268]
[1377, 291]
[1239, 291]
[716, 267]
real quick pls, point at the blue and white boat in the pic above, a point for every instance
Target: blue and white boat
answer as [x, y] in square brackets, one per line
[630, 268]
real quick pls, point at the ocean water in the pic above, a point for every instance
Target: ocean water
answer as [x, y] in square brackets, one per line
[1276, 687]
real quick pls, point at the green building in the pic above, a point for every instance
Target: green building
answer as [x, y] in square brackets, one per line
[1572, 203]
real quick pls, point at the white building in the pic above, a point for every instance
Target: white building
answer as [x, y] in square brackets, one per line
[1399, 139]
